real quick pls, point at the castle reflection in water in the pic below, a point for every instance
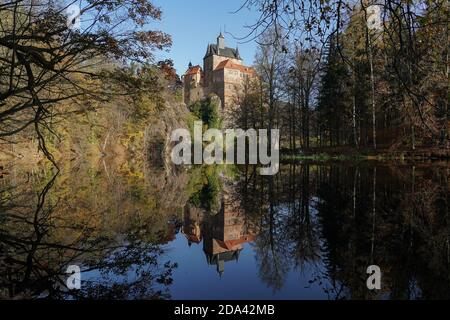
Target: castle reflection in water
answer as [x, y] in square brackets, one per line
[223, 234]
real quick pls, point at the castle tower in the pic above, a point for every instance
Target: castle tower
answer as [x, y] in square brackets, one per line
[223, 74]
[215, 54]
[220, 42]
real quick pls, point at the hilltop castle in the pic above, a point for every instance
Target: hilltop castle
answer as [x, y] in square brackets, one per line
[223, 74]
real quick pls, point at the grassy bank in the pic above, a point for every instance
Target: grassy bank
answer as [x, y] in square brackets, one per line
[378, 155]
[324, 157]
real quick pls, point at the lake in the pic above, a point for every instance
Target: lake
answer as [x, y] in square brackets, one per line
[225, 232]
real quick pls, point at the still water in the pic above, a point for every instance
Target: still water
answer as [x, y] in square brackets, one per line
[310, 232]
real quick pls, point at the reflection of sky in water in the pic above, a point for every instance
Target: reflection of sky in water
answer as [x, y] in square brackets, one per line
[195, 279]
[110, 278]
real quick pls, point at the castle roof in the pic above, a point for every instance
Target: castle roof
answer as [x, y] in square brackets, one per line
[193, 70]
[228, 64]
[231, 244]
[225, 52]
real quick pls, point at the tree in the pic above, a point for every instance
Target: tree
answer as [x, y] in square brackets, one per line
[302, 85]
[394, 73]
[331, 100]
[208, 111]
[44, 61]
[269, 60]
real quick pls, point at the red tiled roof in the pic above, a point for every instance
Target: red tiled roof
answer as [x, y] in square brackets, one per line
[228, 64]
[229, 244]
[193, 70]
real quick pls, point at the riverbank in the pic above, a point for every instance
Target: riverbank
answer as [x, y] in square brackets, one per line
[346, 153]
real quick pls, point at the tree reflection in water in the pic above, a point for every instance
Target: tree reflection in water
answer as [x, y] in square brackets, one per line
[328, 220]
[345, 218]
[78, 220]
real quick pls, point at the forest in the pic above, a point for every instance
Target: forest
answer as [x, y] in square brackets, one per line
[346, 77]
[74, 92]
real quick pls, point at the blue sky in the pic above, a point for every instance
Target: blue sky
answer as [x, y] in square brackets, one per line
[195, 23]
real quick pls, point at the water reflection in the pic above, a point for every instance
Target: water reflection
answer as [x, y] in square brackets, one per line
[222, 233]
[50, 221]
[349, 217]
[308, 232]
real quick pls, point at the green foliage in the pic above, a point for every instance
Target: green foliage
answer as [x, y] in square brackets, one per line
[231, 171]
[207, 196]
[207, 110]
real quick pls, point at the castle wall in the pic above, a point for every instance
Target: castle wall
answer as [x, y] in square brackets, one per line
[210, 64]
[193, 89]
[227, 84]
[233, 76]
[233, 87]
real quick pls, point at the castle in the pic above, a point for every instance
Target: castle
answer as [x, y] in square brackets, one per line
[223, 234]
[223, 74]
